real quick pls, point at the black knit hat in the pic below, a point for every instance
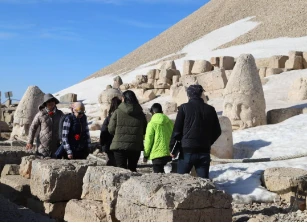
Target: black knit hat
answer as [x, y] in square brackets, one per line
[195, 91]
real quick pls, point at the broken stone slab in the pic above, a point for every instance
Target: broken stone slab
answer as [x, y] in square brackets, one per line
[13, 155]
[213, 80]
[295, 53]
[168, 65]
[140, 79]
[58, 180]
[215, 61]
[223, 146]
[187, 67]
[84, 211]
[111, 180]
[70, 97]
[298, 90]
[53, 210]
[175, 79]
[92, 187]
[294, 63]
[278, 61]
[166, 74]
[26, 166]
[279, 115]
[15, 188]
[304, 60]
[149, 95]
[124, 87]
[170, 108]
[273, 71]
[188, 80]
[285, 180]
[201, 66]
[155, 192]
[146, 86]
[227, 62]
[262, 72]
[138, 213]
[151, 74]
[10, 169]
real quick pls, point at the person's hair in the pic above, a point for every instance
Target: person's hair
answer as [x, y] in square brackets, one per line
[130, 98]
[156, 108]
[115, 102]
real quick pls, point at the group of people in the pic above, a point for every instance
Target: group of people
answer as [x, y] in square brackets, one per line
[125, 133]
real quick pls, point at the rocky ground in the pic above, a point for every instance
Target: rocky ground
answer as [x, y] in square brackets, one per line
[278, 18]
[276, 212]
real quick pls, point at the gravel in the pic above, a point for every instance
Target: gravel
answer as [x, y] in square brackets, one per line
[279, 18]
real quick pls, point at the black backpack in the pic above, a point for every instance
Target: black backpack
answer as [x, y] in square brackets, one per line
[63, 117]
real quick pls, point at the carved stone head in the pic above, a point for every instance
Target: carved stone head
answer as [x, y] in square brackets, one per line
[244, 102]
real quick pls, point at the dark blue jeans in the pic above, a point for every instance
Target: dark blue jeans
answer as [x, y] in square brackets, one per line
[201, 162]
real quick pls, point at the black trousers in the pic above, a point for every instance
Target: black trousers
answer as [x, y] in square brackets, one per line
[127, 159]
[159, 163]
[111, 159]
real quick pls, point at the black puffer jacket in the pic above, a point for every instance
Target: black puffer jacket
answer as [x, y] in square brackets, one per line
[105, 136]
[196, 126]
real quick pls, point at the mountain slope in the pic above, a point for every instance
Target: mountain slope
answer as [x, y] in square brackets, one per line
[279, 18]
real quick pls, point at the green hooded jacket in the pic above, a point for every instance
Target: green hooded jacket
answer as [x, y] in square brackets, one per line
[158, 135]
[128, 125]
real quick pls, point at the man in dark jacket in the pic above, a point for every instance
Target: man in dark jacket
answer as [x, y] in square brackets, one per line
[197, 127]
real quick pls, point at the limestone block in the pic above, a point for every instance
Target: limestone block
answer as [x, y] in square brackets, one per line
[279, 115]
[169, 108]
[160, 91]
[214, 94]
[215, 61]
[295, 53]
[92, 187]
[58, 180]
[273, 71]
[151, 74]
[26, 166]
[10, 169]
[70, 97]
[107, 95]
[167, 91]
[263, 62]
[111, 181]
[153, 194]
[124, 87]
[54, 210]
[146, 86]
[84, 211]
[4, 127]
[164, 80]
[278, 61]
[223, 146]
[284, 180]
[140, 79]
[187, 67]
[244, 90]
[157, 76]
[228, 73]
[188, 80]
[12, 155]
[175, 79]
[262, 72]
[213, 80]
[162, 86]
[138, 92]
[167, 74]
[149, 95]
[151, 81]
[298, 90]
[168, 65]
[16, 188]
[304, 60]
[227, 62]
[294, 63]
[117, 82]
[201, 66]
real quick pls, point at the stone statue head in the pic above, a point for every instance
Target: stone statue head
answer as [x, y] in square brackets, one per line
[244, 102]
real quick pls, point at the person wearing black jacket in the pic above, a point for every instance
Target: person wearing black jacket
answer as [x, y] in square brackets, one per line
[196, 127]
[105, 137]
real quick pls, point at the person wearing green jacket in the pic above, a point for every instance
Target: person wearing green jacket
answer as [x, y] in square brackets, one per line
[157, 139]
[128, 125]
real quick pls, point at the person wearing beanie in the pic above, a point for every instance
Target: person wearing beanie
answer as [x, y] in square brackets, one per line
[47, 122]
[196, 127]
[76, 138]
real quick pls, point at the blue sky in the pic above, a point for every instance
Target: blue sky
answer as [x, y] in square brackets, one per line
[56, 43]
